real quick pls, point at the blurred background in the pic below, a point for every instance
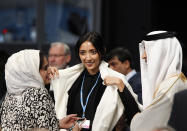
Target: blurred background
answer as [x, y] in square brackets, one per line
[36, 23]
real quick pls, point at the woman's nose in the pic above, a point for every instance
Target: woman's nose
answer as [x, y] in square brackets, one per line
[88, 56]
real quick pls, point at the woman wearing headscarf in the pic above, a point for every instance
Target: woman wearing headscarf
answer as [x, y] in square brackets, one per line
[80, 89]
[27, 103]
[161, 66]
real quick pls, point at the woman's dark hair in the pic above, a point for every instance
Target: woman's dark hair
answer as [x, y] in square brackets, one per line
[42, 56]
[93, 37]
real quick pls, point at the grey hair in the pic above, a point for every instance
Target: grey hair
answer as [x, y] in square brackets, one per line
[67, 50]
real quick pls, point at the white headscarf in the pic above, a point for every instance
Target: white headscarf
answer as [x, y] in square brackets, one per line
[22, 71]
[164, 58]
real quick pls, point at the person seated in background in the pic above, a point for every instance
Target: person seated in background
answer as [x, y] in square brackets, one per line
[178, 115]
[161, 76]
[121, 60]
[27, 103]
[59, 56]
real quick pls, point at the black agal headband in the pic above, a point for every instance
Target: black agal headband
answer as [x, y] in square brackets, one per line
[163, 35]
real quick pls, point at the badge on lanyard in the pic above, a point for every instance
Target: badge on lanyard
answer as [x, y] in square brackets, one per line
[83, 123]
[86, 124]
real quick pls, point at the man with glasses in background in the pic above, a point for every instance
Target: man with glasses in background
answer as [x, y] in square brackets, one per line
[59, 56]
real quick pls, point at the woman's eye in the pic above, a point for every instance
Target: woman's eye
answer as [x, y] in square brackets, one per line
[93, 52]
[82, 53]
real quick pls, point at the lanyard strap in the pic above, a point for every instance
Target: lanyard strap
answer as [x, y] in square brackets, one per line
[81, 94]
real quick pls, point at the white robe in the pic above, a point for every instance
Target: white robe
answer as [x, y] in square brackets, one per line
[158, 112]
[110, 107]
[161, 78]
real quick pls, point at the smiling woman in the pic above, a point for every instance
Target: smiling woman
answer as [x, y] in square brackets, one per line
[89, 57]
[80, 88]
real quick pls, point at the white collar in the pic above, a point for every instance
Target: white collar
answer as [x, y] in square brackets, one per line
[130, 74]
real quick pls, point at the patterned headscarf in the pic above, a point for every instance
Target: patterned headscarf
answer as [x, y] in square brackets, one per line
[22, 71]
[164, 58]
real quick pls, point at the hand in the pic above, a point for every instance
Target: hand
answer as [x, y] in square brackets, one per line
[52, 72]
[111, 80]
[76, 128]
[68, 121]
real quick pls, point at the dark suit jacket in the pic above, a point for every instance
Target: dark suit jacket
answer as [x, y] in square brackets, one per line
[178, 115]
[135, 82]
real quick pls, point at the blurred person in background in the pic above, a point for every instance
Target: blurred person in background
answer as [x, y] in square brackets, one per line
[121, 60]
[59, 56]
[178, 115]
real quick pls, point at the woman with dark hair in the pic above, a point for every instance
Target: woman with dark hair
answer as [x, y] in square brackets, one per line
[80, 89]
[27, 103]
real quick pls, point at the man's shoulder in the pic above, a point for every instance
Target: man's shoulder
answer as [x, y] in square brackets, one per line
[136, 77]
[138, 74]
[181, 94]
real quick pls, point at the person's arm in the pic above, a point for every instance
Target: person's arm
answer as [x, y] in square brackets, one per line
[131, 107]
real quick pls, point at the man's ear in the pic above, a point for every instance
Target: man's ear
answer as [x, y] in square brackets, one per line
[126, 63]
[68, 58]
